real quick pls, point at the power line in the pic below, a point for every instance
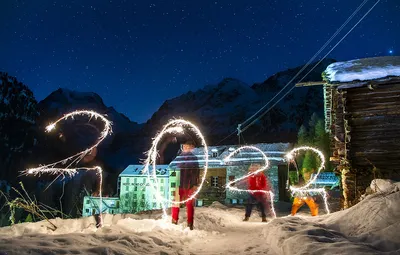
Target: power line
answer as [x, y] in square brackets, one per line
[310, 61]
[246, 127]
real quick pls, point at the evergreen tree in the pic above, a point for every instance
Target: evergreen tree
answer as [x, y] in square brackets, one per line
[29, 218]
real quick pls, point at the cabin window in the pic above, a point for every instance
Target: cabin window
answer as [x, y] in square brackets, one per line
[214, 181]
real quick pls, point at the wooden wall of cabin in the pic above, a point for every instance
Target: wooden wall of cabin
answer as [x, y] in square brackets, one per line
[368, 121]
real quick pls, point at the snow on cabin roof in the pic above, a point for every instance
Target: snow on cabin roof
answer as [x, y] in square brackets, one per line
[137, 170]
[365, 69]
[274, 151]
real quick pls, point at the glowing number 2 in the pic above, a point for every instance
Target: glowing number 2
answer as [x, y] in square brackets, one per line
[305, 189]
[265, 167]
[56, 169]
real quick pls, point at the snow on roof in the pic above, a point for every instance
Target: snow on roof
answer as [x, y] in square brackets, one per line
[274, 152]
[363, 69]
[137, 170]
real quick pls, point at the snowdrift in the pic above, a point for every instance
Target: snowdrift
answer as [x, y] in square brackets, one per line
[370, 227]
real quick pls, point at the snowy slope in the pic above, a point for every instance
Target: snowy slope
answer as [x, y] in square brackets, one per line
[371, 227]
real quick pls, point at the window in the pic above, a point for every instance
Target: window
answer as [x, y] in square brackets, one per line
[143, 196]
[215, 154]
[173, 184]
[162, 181]
[214, 181]
[135, 189]
[144, 180]
[161, 188]
[154, 205]
[173, 193]
[87, 210]
[135, 180]
[173, 173]
[126, 188]
[112, 211]
[231, 178]
[127, 180]
[88, 201]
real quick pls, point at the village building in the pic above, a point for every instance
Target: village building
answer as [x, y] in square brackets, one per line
[219, 173]
[362, 115]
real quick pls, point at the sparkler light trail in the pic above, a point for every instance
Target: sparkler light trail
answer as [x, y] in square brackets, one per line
[173, 126]
[304, 191]
[265, 167]
[59, 168]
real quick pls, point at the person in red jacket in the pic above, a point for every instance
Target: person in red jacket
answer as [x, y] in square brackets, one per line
[258, 182]
[189, 180]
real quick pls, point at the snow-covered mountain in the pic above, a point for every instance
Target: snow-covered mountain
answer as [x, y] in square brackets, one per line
[218, 109]
[116, 151]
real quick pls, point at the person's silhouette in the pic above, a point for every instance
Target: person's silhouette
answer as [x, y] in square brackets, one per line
[189, 180]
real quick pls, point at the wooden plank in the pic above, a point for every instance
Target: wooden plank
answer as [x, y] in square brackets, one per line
[310, 83]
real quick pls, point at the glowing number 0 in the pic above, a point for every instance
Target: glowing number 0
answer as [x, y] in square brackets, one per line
[56, 169]
[265, 167]
[174, 126]
[305, 189]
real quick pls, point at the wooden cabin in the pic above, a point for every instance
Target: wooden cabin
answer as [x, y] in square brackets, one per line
[362, 114]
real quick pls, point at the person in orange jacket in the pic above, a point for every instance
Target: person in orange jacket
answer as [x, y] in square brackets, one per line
[301, 199]
[260, 183]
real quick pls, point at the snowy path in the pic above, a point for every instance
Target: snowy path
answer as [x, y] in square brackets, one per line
[371, 227]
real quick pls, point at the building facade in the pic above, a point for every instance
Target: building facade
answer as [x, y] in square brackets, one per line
[362, 115]
[137, 192]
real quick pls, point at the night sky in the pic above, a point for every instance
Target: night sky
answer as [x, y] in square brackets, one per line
[136, 54]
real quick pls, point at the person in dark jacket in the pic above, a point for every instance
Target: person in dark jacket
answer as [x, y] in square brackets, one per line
[189, 180]
[259, 186]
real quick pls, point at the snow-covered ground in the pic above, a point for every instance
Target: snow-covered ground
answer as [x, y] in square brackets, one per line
[370, 227]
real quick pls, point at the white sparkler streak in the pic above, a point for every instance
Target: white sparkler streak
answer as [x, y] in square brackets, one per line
[173, 126]
[55, 169]
[304, 190]
[265, 167]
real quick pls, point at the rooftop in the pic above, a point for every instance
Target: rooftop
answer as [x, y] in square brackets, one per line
[137, 170]
[365, 69]
[275, 152]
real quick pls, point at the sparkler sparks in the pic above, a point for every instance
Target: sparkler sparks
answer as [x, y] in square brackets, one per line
[56, 167]
[265, 167]
[304, 191]
[174, 126]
